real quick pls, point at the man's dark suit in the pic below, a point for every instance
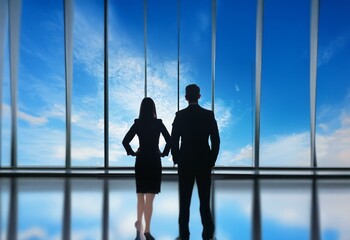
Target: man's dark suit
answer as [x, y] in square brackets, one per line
[194, 125]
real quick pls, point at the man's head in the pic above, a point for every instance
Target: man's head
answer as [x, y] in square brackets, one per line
[192, 93]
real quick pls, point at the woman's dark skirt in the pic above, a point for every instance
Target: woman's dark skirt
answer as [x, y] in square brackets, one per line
[148, 173]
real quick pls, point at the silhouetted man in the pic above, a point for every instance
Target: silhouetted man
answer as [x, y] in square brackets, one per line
[194, 126]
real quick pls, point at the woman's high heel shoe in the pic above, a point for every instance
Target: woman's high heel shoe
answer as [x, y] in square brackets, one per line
[149, 236]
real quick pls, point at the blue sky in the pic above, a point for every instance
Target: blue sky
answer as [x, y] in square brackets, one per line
[285, 120]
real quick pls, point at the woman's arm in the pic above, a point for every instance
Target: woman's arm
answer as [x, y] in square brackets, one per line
[167, 138]
[128, 138]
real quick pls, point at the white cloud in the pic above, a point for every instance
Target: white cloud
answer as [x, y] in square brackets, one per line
[245, 153]
[223, 113]
[288, 150]
[237, 88]
[333, 147]
[334, 47]
[33, 120]
[33, 233]
[323, 126]
[55, 111]
[80, 152]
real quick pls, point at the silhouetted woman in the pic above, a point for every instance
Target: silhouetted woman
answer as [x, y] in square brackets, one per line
[148, 167]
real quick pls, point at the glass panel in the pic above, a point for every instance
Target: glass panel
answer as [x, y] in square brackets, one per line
[285, 103]
[285, 209]
[195, 49]
[86, 209]
[162, 61]
[5, 102]
[234, 80]
[88, 84]
[4, 207]
[41, 94]
[40, 205]
[123, 212]
[333, 86]
[233, 209]
[334, 197]
[126, 74]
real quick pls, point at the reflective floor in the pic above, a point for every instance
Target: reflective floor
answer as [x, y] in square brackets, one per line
[96, 208]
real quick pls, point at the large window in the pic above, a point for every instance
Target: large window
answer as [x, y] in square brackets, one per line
[155, 47]
[285, 104]
[234, 80]
[162, 42]
[88, 84]
[333, 85]
[126, 73]
[41, 88]
[195, 49]
[5, 103]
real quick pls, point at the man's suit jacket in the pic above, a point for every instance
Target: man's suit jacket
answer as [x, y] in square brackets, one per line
[194, 126]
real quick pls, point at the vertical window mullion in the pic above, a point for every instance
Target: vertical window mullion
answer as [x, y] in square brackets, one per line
[105, 210]
[3, 20]
[106, 93]
[258, 62]
[178, 55]
[213, 51]
[66, 225]
[68, 43]
[145, 41]
[14, 23]
[256, 211]
[13, 210]
[313, 76]
[315, 215]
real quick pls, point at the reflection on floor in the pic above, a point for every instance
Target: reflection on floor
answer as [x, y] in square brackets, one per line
[95, 208]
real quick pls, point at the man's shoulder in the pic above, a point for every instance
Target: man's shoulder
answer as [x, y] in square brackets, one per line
[206, 112]
[191, 110]
[181, 112]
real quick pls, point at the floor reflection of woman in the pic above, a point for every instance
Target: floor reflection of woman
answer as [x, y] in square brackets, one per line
[148, 167]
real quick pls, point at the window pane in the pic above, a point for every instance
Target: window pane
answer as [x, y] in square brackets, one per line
[5, 106]
[126, 74]
[88, 84]
[4, 206]
[333, 85]
[333, 198]
[285, 209]
[162, 48]
[285, 103]
[41, 94]
[195, 49]
[234, 80]
[86, 209]
[233, 209]
[123, 210]
[40, 205]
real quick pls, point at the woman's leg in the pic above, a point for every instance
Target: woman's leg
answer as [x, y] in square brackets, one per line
[140, 210]
[148, 211]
